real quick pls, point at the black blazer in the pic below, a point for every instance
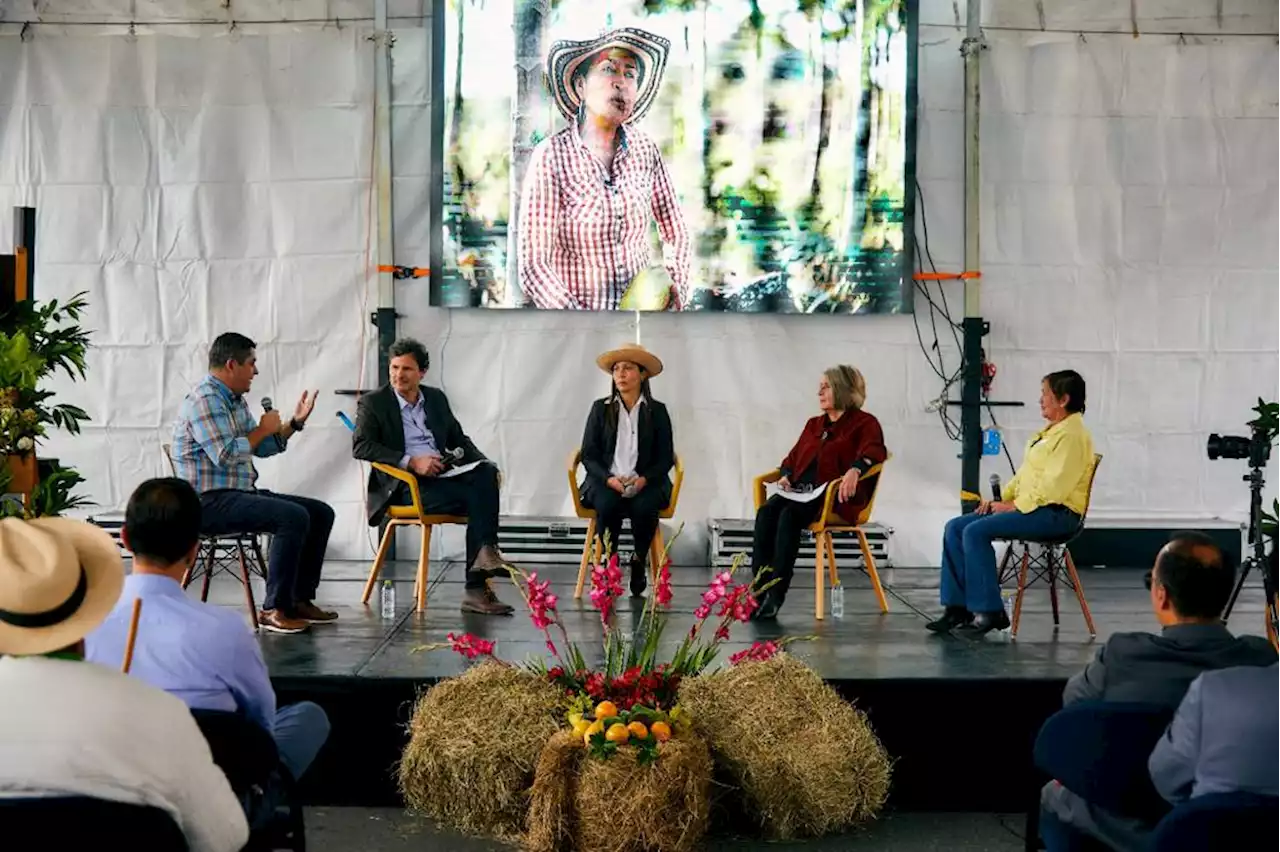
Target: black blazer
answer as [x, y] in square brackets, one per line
[379, 437]
[657, 448]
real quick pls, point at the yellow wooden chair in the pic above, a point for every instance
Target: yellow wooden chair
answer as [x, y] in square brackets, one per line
[830, 522]
[408, 516]
[593, 547]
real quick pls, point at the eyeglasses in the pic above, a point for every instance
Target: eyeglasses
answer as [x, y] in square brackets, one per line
[1146, 580]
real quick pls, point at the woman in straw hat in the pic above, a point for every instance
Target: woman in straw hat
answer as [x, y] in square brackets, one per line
[592, 189]
[628, 451]
[842, 442]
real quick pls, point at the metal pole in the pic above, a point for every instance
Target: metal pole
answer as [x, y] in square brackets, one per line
[385, 318]
[974, 326]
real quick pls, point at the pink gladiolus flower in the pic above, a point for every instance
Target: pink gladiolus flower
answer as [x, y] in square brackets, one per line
[606, 586]
[722, 632]
[470, 646]
[702, 612]
[759, 652]
[663, 591]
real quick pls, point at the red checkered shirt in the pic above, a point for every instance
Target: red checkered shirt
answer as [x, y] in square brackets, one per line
[584, 230]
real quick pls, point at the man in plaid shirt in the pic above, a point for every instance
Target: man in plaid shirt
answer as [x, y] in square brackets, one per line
[215, 440]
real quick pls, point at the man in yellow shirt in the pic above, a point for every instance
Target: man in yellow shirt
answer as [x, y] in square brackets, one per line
[1045, 499]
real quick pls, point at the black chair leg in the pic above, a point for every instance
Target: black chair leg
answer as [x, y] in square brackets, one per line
[1053, 582]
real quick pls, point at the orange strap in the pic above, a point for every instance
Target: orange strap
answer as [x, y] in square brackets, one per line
[946, 276]
[405, 271]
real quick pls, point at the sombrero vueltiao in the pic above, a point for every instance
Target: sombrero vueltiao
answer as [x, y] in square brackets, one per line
[565, 57]
[633, 352]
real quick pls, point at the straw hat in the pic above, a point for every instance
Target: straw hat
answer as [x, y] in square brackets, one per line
[565, 56]
[633, 352]
[59, 578]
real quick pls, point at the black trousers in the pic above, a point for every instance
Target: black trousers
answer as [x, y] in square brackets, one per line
[776, 541]
[299, 528]
[612, 508]
[474, 494]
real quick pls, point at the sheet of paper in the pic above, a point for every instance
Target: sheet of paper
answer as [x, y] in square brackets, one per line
[459, 470]
[799, 496]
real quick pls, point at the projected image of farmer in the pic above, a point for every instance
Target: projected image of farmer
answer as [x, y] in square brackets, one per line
[593, 189]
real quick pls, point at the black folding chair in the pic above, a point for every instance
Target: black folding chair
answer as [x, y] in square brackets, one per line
[247, 755]
[77, 823]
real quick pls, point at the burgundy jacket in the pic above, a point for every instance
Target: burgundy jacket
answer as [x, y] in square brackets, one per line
[853, 441]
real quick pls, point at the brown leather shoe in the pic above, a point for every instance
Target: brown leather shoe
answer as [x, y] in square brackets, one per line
[484, 601]
[490, 563]
[277, 622]
[309, 612]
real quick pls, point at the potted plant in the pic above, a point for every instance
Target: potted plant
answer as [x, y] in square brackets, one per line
[38, 340]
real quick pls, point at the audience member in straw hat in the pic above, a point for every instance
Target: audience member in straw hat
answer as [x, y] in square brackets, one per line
[204, 654]
[592, 190]
[72, 728]
[628, 451]
[842, 443]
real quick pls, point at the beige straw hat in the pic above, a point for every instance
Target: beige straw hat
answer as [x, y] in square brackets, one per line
[633, 352]
[59, 578]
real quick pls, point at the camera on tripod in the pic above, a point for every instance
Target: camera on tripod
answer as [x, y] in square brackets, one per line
[1256, 448]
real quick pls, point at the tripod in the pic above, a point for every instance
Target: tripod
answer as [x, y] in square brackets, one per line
[1257, 556]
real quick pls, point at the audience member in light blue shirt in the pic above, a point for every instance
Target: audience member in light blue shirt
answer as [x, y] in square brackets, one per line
[203, 654]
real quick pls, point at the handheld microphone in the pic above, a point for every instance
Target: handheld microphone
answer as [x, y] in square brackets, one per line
[995, 487]
[452, 457]
[266, 403]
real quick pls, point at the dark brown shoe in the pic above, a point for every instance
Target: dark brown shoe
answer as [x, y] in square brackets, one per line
[490, 563]
[309, 612]
[484, 601]
[277, 622]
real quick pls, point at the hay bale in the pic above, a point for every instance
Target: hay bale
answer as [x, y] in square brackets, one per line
[474, 742]
[617, 805]
[805, 760]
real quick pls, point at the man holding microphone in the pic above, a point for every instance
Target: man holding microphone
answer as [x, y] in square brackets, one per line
[215, 440]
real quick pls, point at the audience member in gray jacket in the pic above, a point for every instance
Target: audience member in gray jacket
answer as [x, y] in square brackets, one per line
[1224, 737]
[1190, 585]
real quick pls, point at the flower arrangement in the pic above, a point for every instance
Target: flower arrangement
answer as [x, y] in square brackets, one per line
[631, 698]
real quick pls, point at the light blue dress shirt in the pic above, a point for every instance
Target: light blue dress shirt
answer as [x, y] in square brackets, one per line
[418, 438]
[203, 654]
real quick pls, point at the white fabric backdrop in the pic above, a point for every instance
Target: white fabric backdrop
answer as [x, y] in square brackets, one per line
[195, 180]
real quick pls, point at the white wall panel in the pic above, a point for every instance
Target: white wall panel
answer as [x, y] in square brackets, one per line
[195, 180]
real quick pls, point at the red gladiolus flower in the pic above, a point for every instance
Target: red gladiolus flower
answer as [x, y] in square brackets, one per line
[759, 652]
[470, 646]
[662, 593]
[606, 587]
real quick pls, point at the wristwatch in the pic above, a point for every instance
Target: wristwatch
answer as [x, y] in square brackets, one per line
[296, 424]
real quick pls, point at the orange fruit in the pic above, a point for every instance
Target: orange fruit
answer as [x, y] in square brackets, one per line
[638, 730]
[617, 733]
[605, 710]
[661, 731]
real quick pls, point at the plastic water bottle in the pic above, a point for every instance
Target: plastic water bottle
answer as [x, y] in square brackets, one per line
[1007, 599]
[837, 601]
[388, 599]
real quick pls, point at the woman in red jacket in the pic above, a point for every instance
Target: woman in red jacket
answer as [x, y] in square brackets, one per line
[842, 443]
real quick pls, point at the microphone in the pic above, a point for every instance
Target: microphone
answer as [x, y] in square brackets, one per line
[266, 403]
[995, 487]
[452, 457]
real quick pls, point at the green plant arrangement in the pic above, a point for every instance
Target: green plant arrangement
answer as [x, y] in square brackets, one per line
[38, 340]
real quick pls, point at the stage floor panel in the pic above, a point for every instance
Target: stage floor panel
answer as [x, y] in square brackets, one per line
[864, 645]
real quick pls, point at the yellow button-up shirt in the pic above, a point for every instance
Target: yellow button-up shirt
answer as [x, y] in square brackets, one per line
[1055, 468]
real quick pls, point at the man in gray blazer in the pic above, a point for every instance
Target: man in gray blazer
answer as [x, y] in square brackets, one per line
[1224, 737]
[1189, 585]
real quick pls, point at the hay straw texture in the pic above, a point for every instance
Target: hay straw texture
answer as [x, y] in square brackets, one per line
[474, 742]
[616, 805]
[805, 760]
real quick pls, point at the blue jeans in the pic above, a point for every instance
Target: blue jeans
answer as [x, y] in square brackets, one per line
[969, 559]
[301, 729]
[299, 528]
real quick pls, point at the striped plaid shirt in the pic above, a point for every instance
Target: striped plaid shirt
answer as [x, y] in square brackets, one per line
[584, 230]
[210, 439]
